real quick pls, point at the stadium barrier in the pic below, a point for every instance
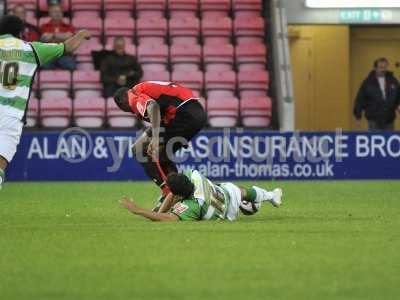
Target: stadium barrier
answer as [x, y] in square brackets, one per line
[76, 154]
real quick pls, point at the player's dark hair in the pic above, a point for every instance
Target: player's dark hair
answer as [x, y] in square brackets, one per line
[13, 25]
[121, 99]
[380, 60]
[180, 185]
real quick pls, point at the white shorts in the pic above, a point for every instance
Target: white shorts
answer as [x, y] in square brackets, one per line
[235, 199]
[10, 134]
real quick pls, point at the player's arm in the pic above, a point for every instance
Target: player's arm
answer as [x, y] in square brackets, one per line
[48, 52]
[153, 216]
[74, 42]
[154, 114]
[168, 203]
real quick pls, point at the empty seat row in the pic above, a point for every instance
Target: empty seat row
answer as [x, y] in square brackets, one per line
[185, 56]
[185, 30]
[97, 112]
[87, 83]
[146, 7]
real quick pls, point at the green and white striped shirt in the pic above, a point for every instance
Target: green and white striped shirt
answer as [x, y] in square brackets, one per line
[19, 61]
[212, 198]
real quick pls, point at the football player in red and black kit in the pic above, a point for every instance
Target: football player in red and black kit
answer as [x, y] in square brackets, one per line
[174, 112]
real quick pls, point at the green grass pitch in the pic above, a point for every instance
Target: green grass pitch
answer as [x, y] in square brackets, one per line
[330, 240]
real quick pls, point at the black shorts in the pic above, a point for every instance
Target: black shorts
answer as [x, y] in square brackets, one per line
[190, 119]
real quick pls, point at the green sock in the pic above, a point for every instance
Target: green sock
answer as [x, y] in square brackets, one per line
[251, 195]
[2, 177]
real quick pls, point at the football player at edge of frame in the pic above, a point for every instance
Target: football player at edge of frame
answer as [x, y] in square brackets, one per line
[19, 61]
[193, 197]
[175, 115]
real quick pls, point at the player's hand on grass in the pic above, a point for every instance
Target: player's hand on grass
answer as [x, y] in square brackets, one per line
[129, 204]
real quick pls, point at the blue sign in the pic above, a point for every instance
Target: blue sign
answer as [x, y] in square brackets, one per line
[76, 154]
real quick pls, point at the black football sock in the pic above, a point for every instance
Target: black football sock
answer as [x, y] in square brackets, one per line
[167, 165]
[150, 167]
[151, 170]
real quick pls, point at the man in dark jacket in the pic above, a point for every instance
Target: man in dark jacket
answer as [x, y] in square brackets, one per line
[119, 69]
[378, 97]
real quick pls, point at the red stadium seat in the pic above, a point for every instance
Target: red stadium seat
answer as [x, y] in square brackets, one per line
[88, 93]
[119, 5]
[55, 80]
[161, 75]
[217, 31]
[43, 6]
[249, 30]
[54, 93]
[93, 6]
[223, 112]
[118, 14]
[256, 111]
[153, 54]
[28, 4]
[119, 26]
[184, 30]
[251, 56]
[251, 8]
[220, 93]
[84, 52]
[93, 24]
[218, 58]
[85, 66]
[225, 80]
[32, 114]
[55, 112]
[118, 118]
[253, 82]
[185, 57]
[151, 8]
[151, 29]
[190, 79]
[86, 82]
[183, 8]
[215, 8]
[89, 112]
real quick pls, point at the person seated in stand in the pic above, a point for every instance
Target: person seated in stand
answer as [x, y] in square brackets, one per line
[119, 69]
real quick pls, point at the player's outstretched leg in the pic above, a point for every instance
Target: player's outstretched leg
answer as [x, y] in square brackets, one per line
[274, 197]
[1, 178]
[258, 195]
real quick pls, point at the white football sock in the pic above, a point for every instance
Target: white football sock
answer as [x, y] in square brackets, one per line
[1, 177]
[263, 195]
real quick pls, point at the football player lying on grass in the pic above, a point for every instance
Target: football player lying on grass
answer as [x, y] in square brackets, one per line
[193, 197]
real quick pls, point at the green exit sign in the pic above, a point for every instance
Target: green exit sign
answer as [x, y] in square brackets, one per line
[362, 16]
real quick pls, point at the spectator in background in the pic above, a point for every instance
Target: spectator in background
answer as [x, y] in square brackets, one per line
[119, 69]
[56, 31]
[378, 97]
[31, 33]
